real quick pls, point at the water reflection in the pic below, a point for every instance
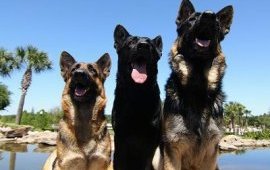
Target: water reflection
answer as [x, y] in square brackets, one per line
[1, 155]
[13, 147]
[240, 152]
[16, 155]
[237, 152]
[41, 148]
[12, 161]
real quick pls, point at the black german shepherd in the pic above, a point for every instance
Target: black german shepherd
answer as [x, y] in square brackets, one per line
[194, 98]
[137, 106]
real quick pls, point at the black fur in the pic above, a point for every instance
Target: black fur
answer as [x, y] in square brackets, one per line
[137, 107]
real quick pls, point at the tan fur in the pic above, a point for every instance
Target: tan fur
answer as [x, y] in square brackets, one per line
[83, 141]
[216, 71]
[183, 153]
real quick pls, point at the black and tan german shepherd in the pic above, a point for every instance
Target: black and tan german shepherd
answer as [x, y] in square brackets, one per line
[193, 105]
[83, 141]
[137, 106]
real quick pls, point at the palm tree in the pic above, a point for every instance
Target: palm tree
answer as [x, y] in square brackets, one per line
[233, 110]
[247, 113]
[34, 60]
[230, 113]
[240, 112]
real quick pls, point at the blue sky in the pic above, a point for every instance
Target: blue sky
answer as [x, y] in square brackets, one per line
[85, 30]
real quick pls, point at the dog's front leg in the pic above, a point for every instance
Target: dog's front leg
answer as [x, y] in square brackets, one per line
[72, 161]
[171, 159]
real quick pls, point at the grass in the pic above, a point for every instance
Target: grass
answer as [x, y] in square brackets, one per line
[12, 125]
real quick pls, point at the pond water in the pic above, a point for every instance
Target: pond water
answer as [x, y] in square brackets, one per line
[253, 159]
[23, 157]
[32, 157]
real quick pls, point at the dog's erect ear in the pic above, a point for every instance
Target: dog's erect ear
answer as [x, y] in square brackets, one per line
[159, 45]
[186, 9]
[66, 61]
[120, 35]
[104, 64]
[225, 17]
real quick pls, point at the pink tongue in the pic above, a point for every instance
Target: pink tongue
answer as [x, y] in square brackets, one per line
[139, 74]
[80, 91]
[203, 43]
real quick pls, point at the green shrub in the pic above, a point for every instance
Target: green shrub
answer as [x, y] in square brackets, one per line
[4, 97]
[265, 134]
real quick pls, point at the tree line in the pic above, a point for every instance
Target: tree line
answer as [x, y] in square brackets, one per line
[40, 120]
[237, 113]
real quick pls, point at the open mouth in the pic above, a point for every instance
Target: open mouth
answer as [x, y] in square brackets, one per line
[80, 90]
[202, 43]
[139, 72]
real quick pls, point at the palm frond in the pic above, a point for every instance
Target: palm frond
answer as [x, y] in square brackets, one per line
[7, 62]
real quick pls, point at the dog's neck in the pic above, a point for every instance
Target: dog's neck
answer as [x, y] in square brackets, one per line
[85, 119]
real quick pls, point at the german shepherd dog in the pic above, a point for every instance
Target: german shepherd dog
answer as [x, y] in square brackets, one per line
[83, 141]
[137, 106]
[193, 109]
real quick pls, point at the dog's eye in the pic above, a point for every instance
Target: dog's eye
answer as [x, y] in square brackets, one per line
[92, 70]
[74, 68]
[132, 41]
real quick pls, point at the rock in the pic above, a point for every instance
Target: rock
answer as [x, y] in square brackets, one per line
[232, 142]
[248, 142]
[45, 137]
[227, 147]
[6, 140]
[18, 132]
[2, 135]
[231, 138]
[5, 129]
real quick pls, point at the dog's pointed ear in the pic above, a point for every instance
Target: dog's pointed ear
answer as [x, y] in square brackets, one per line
[66, 61]
[225, 17]
[185, 10]
[158, 44]
[120, 35]
[104, 64]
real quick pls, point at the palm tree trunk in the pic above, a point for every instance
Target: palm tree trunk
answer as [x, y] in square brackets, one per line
[20, 108]
[233, 126]
[246, 122]
[240, 122]
[26, 81]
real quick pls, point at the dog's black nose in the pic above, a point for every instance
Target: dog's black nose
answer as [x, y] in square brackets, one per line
[208, 15]
[143, 46]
